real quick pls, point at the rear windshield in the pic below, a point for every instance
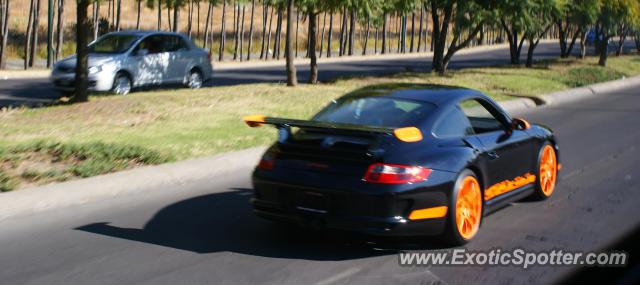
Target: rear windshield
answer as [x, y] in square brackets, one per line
[113, 44]
[375, 111]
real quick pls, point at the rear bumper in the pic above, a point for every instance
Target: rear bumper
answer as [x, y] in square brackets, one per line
[353, 210]
[378, 226]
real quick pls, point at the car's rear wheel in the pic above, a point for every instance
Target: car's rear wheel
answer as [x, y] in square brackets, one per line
[121, 84]
[465, 211]
[547, 172]
[194, 79]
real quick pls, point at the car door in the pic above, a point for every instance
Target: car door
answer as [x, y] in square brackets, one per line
[505, 151]
[178, 57]
[151, 61]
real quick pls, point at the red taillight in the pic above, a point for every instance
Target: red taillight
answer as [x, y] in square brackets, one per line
[267, 161]
[396, 174]
[209, 55]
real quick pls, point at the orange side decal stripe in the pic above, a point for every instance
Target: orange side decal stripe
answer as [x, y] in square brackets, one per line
[508, 185]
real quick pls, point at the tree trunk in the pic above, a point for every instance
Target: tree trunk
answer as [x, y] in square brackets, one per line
[330, 35]
[276, 36]
[189, 17]
[118, 14]
[236, 28]
[96, 18]
[532, 47]
[375, 40]
[82, 34]
[583, 44]
[384, 33]
[109, 17]
[159, 15]
[27, 46]
[324, 25]
[4, 32]
[352, 30]
[265, 18]
[266, 56]
[562, 31]
[206, 25]
[292, 79]
[279, 33]
[343, 33]
[366, 37]
[253, 7]
[34, 41]
[223, 32]
[139, 12]
[313, 30]
[413, 31]
[623, 38]
[169, 17]
[420, 28]
[176, 15]
[296, 36]
[242, 32]
[604, 50]
[515, 47]
[60, 29]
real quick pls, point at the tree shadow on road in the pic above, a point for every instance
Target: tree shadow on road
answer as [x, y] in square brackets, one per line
[225, 222]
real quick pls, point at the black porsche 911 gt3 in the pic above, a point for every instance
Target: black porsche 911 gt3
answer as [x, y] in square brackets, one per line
[429, 160]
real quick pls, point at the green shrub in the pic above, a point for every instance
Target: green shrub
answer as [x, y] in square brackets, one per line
[6, 182]
[75, 160]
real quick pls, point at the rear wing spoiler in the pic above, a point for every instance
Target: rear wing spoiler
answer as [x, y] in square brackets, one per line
[406, 134]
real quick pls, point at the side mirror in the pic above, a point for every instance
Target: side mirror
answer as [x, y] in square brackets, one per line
[520, 124]
[142, 52]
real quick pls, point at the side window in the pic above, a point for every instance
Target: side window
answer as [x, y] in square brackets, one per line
[153, 44]
[481, 119]
[174, 43]
[453, 124]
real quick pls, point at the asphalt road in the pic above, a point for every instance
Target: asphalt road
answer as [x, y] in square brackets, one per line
[34, 92]
[204, 231]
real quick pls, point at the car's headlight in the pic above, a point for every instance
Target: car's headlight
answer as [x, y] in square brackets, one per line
[95, 69]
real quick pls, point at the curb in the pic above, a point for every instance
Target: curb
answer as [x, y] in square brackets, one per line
[570, 95]
[590, 90]
[82, 191]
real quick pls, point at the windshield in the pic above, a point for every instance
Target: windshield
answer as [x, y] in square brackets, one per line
[113, 44]
[375, 111]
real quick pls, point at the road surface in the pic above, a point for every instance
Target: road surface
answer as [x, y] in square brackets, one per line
[205, 233]
[34, 92]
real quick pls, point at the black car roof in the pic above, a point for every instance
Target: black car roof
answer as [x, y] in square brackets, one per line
[436, 94]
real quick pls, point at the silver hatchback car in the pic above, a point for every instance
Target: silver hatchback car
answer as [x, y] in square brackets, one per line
[120, 61]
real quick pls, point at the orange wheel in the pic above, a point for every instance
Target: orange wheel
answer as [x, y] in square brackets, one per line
[468, 211]
[548, 170]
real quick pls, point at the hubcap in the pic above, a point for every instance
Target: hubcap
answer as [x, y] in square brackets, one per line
[468, 208]
[548, 170]
[122, 85]
[195, 80]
